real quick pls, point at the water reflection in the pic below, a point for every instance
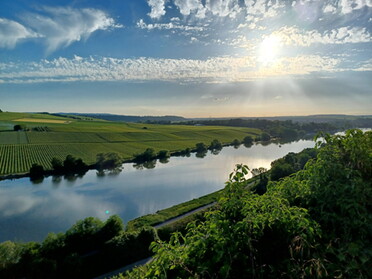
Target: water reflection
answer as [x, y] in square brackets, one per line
[29, 211]
[201, 154]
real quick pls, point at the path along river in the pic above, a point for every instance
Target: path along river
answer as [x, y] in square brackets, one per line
[28, 211]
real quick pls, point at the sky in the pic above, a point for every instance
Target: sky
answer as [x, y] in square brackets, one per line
[192, 58]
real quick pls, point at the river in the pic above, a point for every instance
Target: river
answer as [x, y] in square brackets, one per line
[28, 211]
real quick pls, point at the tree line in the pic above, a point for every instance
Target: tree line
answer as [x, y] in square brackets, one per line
[275, 128]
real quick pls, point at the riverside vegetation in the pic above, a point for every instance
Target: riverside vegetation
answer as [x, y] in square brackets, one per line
[315, 223]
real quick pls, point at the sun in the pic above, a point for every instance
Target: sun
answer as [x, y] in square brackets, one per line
[269, 49]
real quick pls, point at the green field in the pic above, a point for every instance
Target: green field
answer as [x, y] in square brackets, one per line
[86, 138]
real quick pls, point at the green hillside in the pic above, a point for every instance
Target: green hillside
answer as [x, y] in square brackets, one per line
[44, 136]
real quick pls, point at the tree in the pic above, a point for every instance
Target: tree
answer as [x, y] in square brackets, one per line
[18, 127]
[69, 164]
[57, 165]
[201, 147]
[10, 253]
[81, 237]
[112, 227]
[247, 236]
[281, 170]
[215, 145]
[265, 136]
[236, 143]
[248, 140]
[148, 155]
[163, 154]
[108, 161]
[36, 171]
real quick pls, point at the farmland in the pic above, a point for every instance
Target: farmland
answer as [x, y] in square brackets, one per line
[86, 138]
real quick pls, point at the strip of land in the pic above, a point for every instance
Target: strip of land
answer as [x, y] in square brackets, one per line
[38, 120]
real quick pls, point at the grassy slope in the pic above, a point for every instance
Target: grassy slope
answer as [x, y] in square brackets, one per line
[179, 209]
[85, 139]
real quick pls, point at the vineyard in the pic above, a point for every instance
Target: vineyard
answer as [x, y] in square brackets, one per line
[85, 139]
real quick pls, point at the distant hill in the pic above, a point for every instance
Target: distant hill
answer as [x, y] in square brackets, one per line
[129, 118]
[339, 120]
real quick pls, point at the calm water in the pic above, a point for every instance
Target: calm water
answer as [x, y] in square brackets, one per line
[29, 211]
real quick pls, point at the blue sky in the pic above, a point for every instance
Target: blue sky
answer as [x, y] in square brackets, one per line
[187, 57]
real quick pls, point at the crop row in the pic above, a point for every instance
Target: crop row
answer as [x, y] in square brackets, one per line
[13, 137]
[19, 158]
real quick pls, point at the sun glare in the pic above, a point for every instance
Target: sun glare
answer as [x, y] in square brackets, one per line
[269, 49]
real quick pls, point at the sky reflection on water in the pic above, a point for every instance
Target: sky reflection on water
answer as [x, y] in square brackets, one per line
[29, 211]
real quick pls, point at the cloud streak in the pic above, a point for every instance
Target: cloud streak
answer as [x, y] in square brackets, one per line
[217, 69]
[12, 32]
[61, 26]
[167, 26]
[343, 35]
[56, 26]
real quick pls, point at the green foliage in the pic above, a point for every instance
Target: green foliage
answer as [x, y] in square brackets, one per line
[282, 129]
[235, 143]
[72, 165]
[249, 234]
[82, 252]
[248, 140]
[336, 189]
[108, 161]
[19, 127]
[57, 165]
[215, 145]
[314, 224]
[10, 253]
[112, 227]
[265, 137]
[200, 147]
[281, 170]
[174, 211]
[163, 154]
[129, 247]
[36, 171]
[148, 155]
[291, 163]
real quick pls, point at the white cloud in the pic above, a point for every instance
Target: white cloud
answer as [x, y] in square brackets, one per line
[157, 8]
[187, 7]
[11, 32]
[365, 66]
[348, 6]
[301, 65]
[223, 8]
[329, 9]
[199, 8]
[167, 26]
[61, 26]
[217, 69]
[343, 35]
